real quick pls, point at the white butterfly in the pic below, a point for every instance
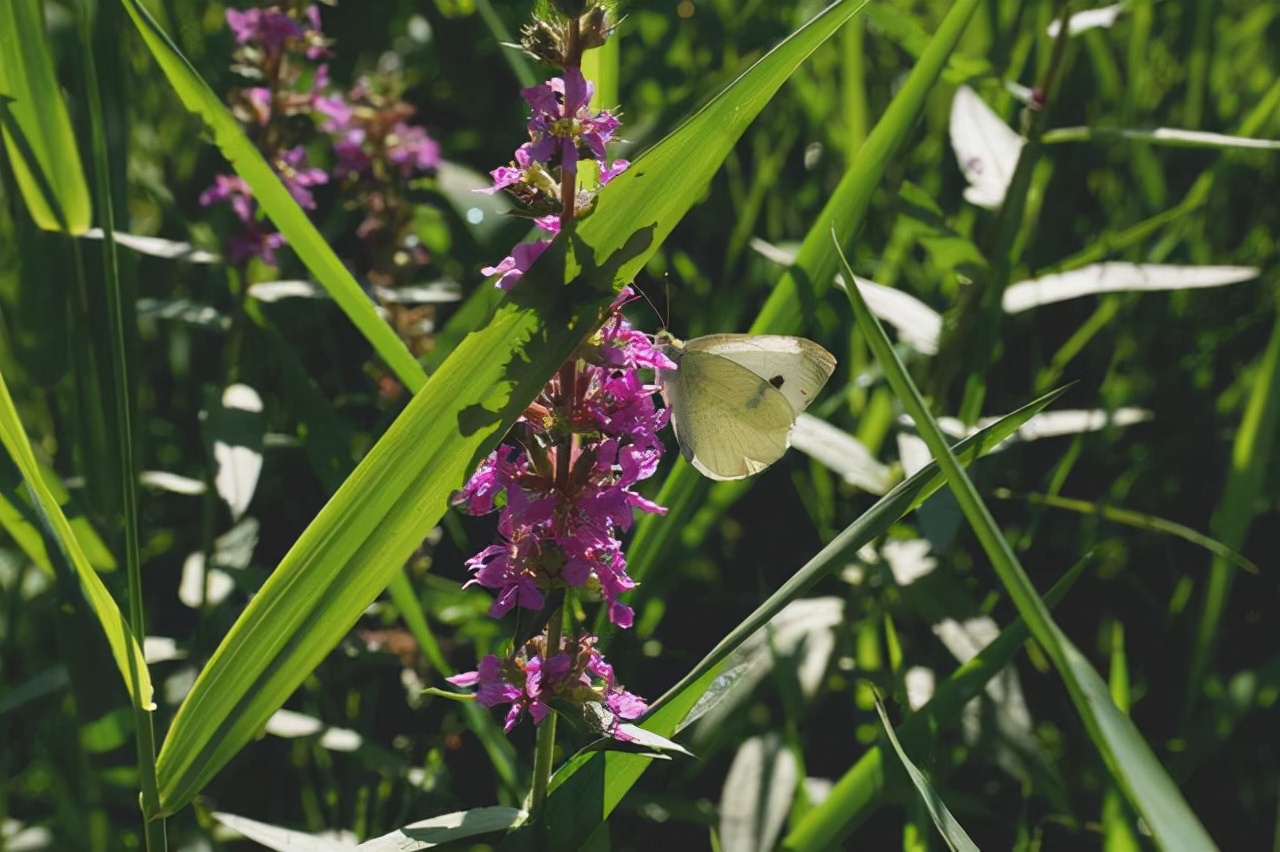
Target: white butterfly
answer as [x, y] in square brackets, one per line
[735, 397]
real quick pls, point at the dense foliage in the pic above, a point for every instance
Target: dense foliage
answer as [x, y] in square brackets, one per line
[306, 369]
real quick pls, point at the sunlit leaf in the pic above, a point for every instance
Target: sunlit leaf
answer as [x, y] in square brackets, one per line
[986, 149]
[124, 647]
[842, 453]
[36, 126]
[1114, 277]
[757, 794]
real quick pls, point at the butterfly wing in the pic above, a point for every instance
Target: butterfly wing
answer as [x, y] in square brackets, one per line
[796, 367]
[729, 421]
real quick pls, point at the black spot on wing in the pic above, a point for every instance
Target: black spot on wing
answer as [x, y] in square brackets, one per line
[777, 381]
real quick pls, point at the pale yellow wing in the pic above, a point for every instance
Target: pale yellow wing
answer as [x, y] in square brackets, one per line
[797, 367]
[729, 421]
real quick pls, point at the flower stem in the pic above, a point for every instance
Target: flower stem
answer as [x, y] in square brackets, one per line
[564, 450]
[544, 751]
[568, 179]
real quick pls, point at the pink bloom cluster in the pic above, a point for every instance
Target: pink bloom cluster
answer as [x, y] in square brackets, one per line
[275, 30]
[578, 674]
[562, 131]
[257, 238]
[562, 532]
[367, 132]
[367, 127]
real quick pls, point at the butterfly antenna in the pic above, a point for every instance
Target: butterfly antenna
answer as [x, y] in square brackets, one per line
[641, 294]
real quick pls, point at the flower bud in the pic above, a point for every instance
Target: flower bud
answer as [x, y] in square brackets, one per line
[594, 27]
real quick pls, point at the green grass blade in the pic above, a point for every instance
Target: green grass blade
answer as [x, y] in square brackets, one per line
[45, 159]
[957, 838]
[378, 517]
[1139, 520]
[306, 241]
[1118, 831]
[121, 314]
[119, 637]
[1127, 755]
[23, 524]
[1246, 481]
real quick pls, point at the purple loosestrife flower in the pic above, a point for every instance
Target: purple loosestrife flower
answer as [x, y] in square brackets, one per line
[564, 483]
[512, 267]
[271, 27]
[577, 674]
[276, 49]
[276, 30]
[256, 237]
[564, 534]
[411, 149]
[562, 129]
[561, 123]
[298, 178]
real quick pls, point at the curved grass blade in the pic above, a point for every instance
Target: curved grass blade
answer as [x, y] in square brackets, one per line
[858, 793]
[1139, 520]
[121, 319]
[22, 524]
[119, 637]
[814, 269]
[591, 786]
[1251, 456]
[1118, 825]
[957, 838]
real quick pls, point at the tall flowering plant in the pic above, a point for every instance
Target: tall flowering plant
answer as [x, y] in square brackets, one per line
[563, 483]
[357, 145]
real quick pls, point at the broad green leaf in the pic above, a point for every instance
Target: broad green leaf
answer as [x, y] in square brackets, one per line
[1127, 755]
[35, 125]
[311, 247]
[381, 513]
[124, 647]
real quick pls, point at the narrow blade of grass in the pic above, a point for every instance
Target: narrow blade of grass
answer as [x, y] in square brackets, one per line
[957, 838]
